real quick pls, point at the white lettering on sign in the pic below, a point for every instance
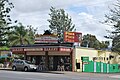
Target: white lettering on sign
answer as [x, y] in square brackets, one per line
[46, 39]
[50, 49]
[17, 49]
[33, 49]
[65, 49]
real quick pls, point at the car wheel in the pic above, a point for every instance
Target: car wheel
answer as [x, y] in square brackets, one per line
[14, 68]
[25, 69]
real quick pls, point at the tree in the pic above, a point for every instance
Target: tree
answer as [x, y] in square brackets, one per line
[104, 44]
[47, 32]
[116, 44]
[5, 8]
[21, 36]
[60, 22]
[113, 19]
[91, 41]
[31, 33]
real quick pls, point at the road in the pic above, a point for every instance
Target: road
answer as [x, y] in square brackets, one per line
[18, 75]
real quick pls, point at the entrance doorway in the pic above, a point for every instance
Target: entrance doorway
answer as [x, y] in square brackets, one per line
[60, 63]
[55, 63]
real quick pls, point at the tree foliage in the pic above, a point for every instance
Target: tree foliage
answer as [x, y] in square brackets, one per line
[47, 32]
[5, 8]
[113, 19]
[91, 41]
[60, 22]
[21, 36]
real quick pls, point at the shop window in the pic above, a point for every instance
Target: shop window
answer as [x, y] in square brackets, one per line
[78, 65]
[33, 60]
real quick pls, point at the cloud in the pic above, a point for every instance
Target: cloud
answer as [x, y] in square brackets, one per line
[88, 24]
[35, 12]
[41, 5]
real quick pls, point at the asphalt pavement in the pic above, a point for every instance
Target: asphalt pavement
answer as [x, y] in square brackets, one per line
[19, 75]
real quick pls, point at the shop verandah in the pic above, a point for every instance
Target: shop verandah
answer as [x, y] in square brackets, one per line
[48, 57]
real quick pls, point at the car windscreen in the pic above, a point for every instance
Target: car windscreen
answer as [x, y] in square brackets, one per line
[28, 62]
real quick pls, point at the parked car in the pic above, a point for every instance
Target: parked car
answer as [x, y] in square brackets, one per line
[23, 65]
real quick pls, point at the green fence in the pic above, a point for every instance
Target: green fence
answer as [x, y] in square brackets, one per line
[101, 67]
[89, 67]
[104, 67]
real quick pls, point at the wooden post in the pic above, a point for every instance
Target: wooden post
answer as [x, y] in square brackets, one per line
[46, 60]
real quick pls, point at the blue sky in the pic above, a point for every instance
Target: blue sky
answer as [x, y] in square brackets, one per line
[78, 9]
[85, 14]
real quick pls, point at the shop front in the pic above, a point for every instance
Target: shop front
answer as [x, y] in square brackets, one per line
[53, 57]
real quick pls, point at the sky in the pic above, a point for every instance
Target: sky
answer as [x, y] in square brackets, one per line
[85, 14]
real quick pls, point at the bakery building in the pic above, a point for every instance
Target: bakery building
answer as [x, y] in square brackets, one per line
[48, 53]
[49, 56]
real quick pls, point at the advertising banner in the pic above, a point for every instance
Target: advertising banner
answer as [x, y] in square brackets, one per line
[72, 37]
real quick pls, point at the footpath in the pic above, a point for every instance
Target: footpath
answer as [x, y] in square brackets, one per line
[6, 68]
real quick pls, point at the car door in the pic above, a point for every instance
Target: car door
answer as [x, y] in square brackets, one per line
[17, 64]
[21, 65]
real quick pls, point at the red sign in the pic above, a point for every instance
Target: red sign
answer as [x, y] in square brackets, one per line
[41, 49]
[72, 37]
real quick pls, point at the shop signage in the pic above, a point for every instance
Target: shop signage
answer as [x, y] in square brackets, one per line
[65, 49]
[42, 49]
[85, 59]
[85, 62]
[72, 37]
[50, 49]
[17, 49]
[33, 49]
[46, 39]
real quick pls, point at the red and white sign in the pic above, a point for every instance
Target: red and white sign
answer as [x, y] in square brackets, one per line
[72, 37]
[33, 49]
[65, 49]
[17, 49]
[50, 49]
[46, 39]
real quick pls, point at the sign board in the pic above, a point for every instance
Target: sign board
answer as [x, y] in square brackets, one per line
[50, 49]
[17, 49]
[72, 37]
[65, 49]
[85, 59]
[33, 49]
[46, 39]
[85, 62]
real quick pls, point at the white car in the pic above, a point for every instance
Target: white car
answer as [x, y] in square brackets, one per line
[23, 65]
